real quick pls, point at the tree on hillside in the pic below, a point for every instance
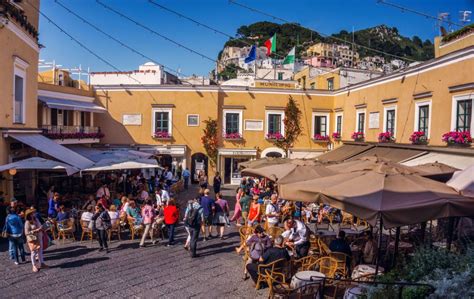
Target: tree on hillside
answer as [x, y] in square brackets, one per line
[292, 124]
[229, 72]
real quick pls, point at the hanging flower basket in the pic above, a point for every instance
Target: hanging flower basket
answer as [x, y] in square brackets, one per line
[320, 138]
[386, 137]
[274, 136]
[232, 136]
[162, 135]
[457, 138]
[418, 137]
[336, 136]
[358, 136]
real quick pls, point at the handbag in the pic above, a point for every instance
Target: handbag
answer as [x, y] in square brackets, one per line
[4, 234]
[32, 238]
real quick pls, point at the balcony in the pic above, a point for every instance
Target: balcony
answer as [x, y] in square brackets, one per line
[73, 134]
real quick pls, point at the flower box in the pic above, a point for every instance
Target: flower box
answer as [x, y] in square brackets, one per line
[162, 135]
[77, 135]
[336, 136]
[358, 136]
[418, 137]
[320, 138]
[274, 136]
[457, 138]
[232, 136]
[386, 137]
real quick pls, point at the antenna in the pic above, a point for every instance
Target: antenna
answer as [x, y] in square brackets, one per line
[444, 17]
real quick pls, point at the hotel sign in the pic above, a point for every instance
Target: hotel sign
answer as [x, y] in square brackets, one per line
[269, 84]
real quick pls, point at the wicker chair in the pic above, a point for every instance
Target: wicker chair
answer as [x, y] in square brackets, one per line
[86, 231]
[263, 269]
[327, 265]
[66, 229]
[274, 231]
[279, 288]
[347, 220]
[343, 260]
[115, 229]
[134, 229]
[314, 245]
[304, 264]
[244, 232]
[323, 248]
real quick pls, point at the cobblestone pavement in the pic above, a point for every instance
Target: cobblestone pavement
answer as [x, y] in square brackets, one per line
[79, 270]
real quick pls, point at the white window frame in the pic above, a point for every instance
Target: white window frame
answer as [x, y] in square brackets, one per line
[282, 123]
[328, 122]
[240, 112]
[417, 115]
[19, 69]
[187, 120]
[341, 114]
[153, 118]
[385, 109]
[360, 111]
[454, 108]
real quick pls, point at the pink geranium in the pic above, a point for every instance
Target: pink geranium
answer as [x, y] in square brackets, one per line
[162, 134]
[386, 137]
[320, 137]
[418, 137]
[336, 135]
[275, 136]
[357, 136]
[453, 137]
[232, 136]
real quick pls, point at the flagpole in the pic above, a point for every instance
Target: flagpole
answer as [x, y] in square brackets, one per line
[255, 63]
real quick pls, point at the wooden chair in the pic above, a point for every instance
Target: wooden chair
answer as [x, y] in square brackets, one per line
[274, 231]
[115, 229]
[304, 264]
[347, 220]
[314, 245]
[86, 231]
[343, 260]
[277, 285]
[54, 233]
[244, 232]
[263, 269]
[323, 248]
[66, 229]
[134, 229]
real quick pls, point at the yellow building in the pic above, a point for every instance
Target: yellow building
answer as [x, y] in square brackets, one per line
[18, 77]
[434, 97]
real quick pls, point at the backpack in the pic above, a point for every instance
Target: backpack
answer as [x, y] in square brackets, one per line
[106, 222]
[193, 218]
[256, 250]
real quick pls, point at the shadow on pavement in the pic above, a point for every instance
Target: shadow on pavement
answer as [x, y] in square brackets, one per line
[80, 263]
[69, 254]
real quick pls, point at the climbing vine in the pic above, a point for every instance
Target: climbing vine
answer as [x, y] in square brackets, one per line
[292, 126]
[210, 140]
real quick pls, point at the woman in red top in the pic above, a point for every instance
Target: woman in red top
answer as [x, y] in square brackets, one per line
[171, 214]
[254, 212]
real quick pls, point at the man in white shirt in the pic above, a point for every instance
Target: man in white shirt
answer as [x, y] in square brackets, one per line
[87, 215]
[296, 236]
[272, 211]
[162, 197]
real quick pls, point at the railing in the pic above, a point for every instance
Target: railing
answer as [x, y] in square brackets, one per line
[72, 132]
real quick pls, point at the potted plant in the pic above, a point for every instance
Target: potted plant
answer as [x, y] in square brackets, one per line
[336, 136]
[457, 138]
[385, 137]
[320, 138]
[162, 135]
[418, 137]
[358, 136]
[274, 136]
[233, 136]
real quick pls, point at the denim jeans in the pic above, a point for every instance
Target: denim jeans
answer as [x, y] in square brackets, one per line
[171, 233]
[15, 245]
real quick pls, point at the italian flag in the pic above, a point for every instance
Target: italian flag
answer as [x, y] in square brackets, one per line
[290, 58]
[271, 44]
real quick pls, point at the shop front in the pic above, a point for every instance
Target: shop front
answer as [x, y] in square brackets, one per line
[229, 160]
[171, 156]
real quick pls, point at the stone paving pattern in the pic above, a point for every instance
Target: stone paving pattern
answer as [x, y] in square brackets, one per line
[78, 270]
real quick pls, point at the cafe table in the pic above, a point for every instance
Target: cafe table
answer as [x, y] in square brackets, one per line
[355, 292]
[303, 278]
[364, 269]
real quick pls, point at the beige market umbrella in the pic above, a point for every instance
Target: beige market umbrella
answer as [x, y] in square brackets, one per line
[292, 171]
[463, 181]
[436, 170]
[262, 162]
[368, 163]
[398, 197]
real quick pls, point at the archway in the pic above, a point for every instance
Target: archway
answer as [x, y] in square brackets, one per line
[165, 160]
[199, 161]
[273, 152]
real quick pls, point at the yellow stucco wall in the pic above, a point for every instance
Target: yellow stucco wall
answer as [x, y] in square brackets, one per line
[437, 81]
[454, 45]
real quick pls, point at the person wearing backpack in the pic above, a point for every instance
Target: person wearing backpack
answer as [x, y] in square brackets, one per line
[148, 215]
[258, 243]
[193, 219]
[102, 223]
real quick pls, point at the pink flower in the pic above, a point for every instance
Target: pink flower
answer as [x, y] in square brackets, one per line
[162, 134]
[357, 135]
[232, 136]
[454, 137]
[418, 137]
[321, 137]
[386, 137]
[276, 136]
[336, 135]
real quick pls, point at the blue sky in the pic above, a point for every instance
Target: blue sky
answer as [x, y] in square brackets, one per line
[324, 16]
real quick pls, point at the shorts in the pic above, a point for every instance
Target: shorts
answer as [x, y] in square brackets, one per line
[208, 219]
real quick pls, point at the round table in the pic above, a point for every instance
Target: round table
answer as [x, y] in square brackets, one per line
[355, 293]
[303, 278]
[362, 270]
[402, 246]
